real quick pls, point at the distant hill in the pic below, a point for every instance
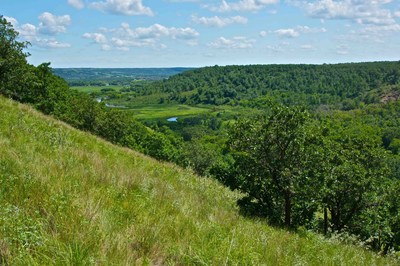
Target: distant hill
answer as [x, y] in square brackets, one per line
[112, 74]
[69, 198]
[290, 84]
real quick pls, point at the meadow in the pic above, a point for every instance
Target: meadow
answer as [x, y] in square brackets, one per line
[96, 89]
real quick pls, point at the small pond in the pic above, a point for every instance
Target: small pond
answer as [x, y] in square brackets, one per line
[115, 106]
[172, 119]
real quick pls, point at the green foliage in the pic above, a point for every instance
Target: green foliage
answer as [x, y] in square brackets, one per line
[272, 155]
[69, 198]
[343, 86]
[13, 65]
[354, 167]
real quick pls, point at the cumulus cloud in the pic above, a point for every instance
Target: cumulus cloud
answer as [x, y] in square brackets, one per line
[12, 20]
[51, 43]
[78, 4]
[28, 30]
[295, 32]
[376, 20]
[263, 33]
[218, 21]
[124, 37]
[157, 31]
[51, 24]
[276, 48]
[381, 28]
[43, 34]
[238, 42]
[289, 33]
[242, 5]
[123, 7]
[306, 29]
[96, 37]
[360, 11]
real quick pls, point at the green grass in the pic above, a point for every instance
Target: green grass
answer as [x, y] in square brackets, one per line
[165, 111]
[134, 101]
[90, 89]
[69, 198]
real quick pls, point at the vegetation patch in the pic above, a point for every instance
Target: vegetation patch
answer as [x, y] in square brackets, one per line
[85, 201]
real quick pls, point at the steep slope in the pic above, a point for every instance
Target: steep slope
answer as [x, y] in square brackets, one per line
[69, 198]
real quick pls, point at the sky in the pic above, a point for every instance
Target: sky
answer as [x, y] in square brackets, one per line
[195, 33]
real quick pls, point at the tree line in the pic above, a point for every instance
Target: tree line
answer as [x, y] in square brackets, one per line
[290, 84]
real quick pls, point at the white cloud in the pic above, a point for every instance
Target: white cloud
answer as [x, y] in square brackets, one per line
[96, 37]
[295, 32]
[360, 11]
[78, 4]
[275, 48]
[51, 24]
[242, 5]
[377, 29]
[157, 31]
[375, 19]
[51, 43]
[124, 37]
[263, 33]
[238, 42]
[29, 31]
[123, 7]
[306, 29]
[218, 21]
[12, 20]
[289, 33]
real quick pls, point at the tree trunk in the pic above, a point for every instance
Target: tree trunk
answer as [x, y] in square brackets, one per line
[325, 220]
[288, 208]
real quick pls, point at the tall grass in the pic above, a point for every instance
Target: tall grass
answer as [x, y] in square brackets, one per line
[69, 198]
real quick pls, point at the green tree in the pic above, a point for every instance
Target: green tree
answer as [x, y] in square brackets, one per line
[13, 64]
[273, 159]
[354, 167]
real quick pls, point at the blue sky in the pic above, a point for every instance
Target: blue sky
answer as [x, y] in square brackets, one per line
[193, 33]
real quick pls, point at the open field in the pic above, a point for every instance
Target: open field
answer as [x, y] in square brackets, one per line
[165, 111]
[97, 89]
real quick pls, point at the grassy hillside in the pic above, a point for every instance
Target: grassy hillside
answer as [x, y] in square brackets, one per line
[68, 198]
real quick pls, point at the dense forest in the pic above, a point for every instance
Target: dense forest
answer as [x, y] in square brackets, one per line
[315, 147]
[345, 84]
